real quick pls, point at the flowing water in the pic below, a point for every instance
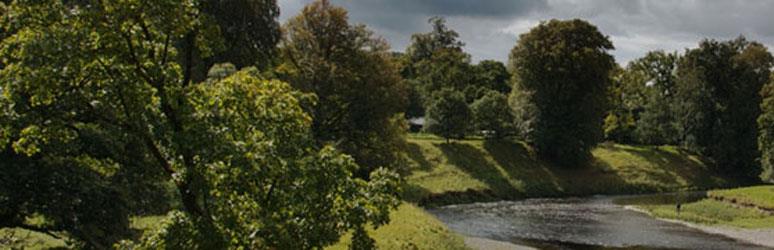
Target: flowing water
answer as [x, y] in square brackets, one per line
[576, 223]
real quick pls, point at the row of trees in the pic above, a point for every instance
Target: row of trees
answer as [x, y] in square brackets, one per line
[568, 94]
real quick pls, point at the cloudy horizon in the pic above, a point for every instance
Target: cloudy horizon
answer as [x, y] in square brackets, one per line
[490, 28]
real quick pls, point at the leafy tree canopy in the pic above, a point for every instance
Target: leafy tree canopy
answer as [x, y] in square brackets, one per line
[448, 114]
[562, 74]
[101, 92]
[360, 93]
[718, 102]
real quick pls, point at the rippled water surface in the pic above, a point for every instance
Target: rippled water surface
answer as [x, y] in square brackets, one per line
[576, 223]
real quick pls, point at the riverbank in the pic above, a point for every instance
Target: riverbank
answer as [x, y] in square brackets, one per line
[761, 237]
[468, 171]
[740, 213]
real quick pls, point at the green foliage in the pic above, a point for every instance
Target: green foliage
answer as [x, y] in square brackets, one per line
[718, 102]
[448, 115]
[656, 123]
[446, 68]
[641, 101]
[493, 75]
[766, 131]
[433, 61]
[424, 45]
[352, 73]
[562, 74]
[267, 185]
[249, 30]
[491, 113]
[98, 103]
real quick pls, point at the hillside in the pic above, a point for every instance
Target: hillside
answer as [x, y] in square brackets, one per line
[479, 170]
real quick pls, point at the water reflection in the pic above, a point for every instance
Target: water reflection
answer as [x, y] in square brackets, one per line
[578, 223]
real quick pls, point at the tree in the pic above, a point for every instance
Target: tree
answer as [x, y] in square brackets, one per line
[249, 30]
[434, 60]
[448, 115]
[641, 101]
[424, 45]
[766, 131]
[562, 75]
[491, 113]
[446, 68]
[718, 102]
[656, 123]
[360, 93]
[97, 91]
[492, 75]
[623, 102]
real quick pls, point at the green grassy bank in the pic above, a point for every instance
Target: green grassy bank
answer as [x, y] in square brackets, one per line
[748, 207]
[479, 170]
[411, 228]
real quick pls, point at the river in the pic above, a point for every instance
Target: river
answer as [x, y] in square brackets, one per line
[576, 223]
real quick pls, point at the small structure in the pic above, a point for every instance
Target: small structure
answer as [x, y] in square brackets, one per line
[416, 124]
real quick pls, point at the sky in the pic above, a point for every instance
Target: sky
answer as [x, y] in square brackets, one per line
[490, 28]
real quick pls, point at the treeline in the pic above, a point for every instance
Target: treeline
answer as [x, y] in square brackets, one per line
[256, 135]
[563, 93]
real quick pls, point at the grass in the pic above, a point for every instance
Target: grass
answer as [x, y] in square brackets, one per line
[480, 170]
[758, 196]
[713, 212]
[740, 207]
[411, 228]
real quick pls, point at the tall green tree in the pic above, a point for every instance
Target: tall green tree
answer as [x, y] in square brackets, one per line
[424, 45]
[492, 114]
[718, 102]
[766, 131]
[641, 101]
[434, 60]
[448, 115]
[562, 74]
[95, 89]
[656, 120]
[360, 93]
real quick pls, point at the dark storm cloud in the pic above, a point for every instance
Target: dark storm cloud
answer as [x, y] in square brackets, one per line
[490, 28]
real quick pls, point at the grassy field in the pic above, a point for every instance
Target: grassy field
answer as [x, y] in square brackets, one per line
[714, 210]
[479, 170]
[758, 196]
[411, 228]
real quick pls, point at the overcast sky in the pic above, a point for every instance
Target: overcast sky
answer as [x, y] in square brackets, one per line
[490, 28]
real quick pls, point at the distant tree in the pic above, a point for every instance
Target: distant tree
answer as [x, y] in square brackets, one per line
[492, 75]
[641, 101]
[446, 68]
[434, 60]
[250, 31]
[562, 76]
[491, 113]
[352, 73]
[718, 102]
[448, 115]
[94, 99]
[625, 97]
[656, 121]
[424, 45]
[766, 131]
